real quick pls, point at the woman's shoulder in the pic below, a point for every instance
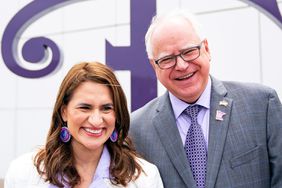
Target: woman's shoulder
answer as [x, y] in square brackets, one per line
[23, 173]
[147, 166]
[150, 177]
[22, 165]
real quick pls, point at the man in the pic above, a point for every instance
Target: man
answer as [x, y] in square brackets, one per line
[236, 138]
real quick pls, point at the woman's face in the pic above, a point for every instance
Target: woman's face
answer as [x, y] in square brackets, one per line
[90, 116]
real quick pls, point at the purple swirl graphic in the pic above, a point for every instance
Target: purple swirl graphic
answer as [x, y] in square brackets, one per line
[35, 49]
[269, 8]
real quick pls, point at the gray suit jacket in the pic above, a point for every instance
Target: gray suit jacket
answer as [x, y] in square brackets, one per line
[244, 150]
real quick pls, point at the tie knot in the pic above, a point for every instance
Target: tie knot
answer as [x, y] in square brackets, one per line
[193, 111]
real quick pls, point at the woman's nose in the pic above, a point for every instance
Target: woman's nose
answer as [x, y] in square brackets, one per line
[95, 118]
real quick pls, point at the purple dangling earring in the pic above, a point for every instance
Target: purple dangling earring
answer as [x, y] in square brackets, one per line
[65, 135]
[114, 136]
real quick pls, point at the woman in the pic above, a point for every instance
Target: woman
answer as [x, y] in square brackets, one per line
[87, 143]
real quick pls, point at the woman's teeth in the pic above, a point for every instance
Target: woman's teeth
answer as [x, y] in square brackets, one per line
[96, 131]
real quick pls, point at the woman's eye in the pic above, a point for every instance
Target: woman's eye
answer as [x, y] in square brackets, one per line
[84, 107]
[107, 108]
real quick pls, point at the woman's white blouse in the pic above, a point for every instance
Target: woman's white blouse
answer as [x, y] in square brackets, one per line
[23, 174]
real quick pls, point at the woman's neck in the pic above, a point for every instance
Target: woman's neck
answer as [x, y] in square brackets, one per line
[86, 162]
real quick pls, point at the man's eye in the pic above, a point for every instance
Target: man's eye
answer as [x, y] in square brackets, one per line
[189, 52]
[166, 60]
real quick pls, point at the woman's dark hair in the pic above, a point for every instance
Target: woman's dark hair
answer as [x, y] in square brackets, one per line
[55, 162]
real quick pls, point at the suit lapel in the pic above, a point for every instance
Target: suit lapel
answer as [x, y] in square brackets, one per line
[164, 122]
[220, 110]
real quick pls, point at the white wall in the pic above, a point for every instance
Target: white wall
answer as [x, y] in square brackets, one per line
[244, 45]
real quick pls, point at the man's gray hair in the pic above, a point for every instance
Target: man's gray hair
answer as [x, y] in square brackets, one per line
[158, 18]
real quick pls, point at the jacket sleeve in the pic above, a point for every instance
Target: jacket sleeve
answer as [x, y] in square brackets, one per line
[274, 139]
[22, 173]
[9, 181]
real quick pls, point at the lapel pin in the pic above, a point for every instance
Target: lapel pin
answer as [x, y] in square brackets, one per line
[223, 103]
[219, 115]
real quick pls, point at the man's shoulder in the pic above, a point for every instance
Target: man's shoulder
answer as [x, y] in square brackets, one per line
[247, 88]
[148, 108]
[239, 85]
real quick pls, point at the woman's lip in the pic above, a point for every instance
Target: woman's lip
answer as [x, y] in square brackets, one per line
[93, 132]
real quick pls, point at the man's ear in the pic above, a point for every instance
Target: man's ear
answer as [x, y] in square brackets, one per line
[207, 49]
[152, 62]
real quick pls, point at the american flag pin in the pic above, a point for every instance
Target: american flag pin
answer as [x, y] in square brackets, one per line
[223, 103]
[219, 115]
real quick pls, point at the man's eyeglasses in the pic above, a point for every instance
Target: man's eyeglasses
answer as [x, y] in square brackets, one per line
[189, 54]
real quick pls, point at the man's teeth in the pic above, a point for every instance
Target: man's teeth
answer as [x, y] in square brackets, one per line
[97, 131]
[187, 76]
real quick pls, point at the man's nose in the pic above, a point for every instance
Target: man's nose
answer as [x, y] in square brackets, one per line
[180, 63]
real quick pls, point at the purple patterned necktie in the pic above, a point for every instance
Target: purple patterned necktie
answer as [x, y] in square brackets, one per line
[195, 147]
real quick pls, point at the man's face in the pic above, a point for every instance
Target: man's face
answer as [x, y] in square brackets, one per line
[185, 80]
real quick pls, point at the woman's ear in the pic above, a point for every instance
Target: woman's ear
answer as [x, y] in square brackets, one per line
[64, 113]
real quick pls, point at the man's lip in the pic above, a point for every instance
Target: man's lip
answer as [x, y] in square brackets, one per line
[185, 76]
